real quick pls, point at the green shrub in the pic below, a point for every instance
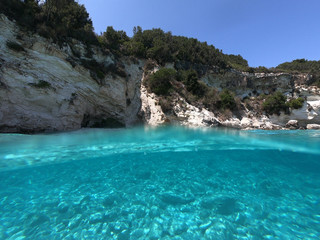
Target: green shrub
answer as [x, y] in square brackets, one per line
[15, 46]
[134, 48]
[149, 65]
[211, 98]
[97, 70]
[300, 65]
[295, 103]
[227, 100]
[190, 80]
[275, 103]
[160, 81]
[262, 69]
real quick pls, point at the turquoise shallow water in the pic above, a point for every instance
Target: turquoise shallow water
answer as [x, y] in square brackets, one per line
[162, 183]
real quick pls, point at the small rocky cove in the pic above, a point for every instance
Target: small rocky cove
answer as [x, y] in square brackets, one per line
[46, 87]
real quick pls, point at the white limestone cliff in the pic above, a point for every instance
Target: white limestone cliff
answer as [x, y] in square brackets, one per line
[70, 97]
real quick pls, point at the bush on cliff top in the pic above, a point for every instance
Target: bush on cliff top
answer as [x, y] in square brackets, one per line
[56, 19]
[300, 65]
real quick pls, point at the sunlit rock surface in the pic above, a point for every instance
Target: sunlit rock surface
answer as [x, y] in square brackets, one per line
[42, 89]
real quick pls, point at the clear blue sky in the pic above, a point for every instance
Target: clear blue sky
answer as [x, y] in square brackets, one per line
[265, 32]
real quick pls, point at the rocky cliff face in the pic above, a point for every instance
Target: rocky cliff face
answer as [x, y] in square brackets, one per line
[41, 89]
[252, 84]
[247, 85]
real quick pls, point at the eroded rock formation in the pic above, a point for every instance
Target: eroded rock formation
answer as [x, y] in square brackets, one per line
[42, 91]
[44, 87]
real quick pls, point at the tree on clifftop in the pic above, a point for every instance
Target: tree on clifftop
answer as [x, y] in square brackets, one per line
[66, 18]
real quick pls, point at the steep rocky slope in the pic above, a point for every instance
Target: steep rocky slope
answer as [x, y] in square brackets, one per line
[41, 91]
[44, 87]
[247, 87]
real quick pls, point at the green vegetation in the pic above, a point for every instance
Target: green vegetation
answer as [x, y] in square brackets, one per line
[190, 79]
[97, 71]
[160, 81]
[237, 62]
[304, 66]
[300, 65]
[164, 47]
[56, 19]
[62, 20]
[275, 103]
[227, 100]
[167, 82]
[15, 46]
[113, 40]
[295, 103]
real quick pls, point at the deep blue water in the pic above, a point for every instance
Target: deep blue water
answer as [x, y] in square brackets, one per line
[162, 183]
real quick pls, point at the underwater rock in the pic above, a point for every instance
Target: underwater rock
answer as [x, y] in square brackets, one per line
[226, 206]
[118, 227]
[40, 219]
[155, 231]
[124, 235]
[140, 212]
[109, 201]
[137, 233]
[241, 219]
[205, 225]
[178, 228]
[223, 206]
[96, 218]
[63, 207]
[204, 214]
[74, 222]
[154, 212]
[144, 175]
[85, 199]
[208, 203]
[270, 188]
[110, 216]
[173, 199]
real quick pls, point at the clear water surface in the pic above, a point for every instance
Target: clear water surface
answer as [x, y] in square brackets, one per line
[160, 183]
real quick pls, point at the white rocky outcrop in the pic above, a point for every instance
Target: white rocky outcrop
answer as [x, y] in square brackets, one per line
[189, 115]
[250, 123]
[292, 124]
[70, 99]
[308, 114]
[150, 109]
[313, 126]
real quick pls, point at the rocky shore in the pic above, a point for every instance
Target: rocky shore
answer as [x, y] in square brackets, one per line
[45, 87]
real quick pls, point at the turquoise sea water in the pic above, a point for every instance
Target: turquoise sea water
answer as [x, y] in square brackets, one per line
[162, 183]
